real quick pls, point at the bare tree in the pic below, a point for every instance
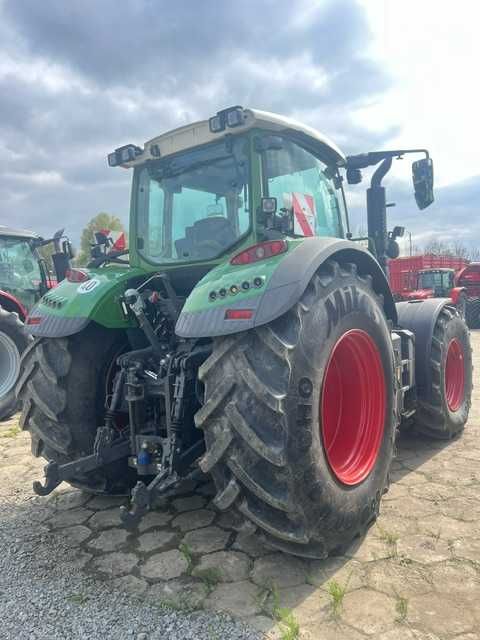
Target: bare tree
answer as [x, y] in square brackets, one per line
[438, 248]
[453, 248]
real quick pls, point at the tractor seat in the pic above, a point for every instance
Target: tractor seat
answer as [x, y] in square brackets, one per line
[217, 229]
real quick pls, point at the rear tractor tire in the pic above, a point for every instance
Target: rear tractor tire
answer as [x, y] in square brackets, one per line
[13, 342]
[62, 386]
[443, 408]
[299, 419]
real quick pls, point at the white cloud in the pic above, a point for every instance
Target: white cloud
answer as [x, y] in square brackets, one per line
[432, 50]
[38, 178]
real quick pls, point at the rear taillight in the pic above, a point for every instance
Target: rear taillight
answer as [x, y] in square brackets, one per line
[238, 314]
[77, 275]
[260, 251]
[34, 320]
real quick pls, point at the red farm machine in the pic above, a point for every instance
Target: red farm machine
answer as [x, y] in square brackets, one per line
[469, 279]
[435, 276]
[24, 279]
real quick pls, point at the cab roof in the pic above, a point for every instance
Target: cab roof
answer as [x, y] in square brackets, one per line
[16, 233]
[199, 133]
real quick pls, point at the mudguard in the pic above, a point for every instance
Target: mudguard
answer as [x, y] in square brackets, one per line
[10, 303]
[455, 294]
[284, 279]
[71, 306]
[420, 317]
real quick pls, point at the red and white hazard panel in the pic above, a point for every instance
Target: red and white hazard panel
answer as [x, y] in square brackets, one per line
[119, 241]
[304, 213]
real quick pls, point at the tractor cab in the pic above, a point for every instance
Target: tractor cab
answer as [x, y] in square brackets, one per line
[20, 273]
[207, 190]
[24, 276]
[439, 281]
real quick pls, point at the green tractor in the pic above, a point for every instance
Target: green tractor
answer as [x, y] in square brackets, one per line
[248, 338]
[24, 279]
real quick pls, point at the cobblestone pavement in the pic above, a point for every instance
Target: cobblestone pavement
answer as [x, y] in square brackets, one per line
[415, 575]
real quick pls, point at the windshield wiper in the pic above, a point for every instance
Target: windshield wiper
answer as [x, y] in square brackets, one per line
[170, 171]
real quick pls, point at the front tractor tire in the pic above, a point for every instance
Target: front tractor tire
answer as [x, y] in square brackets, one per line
[62, 387]
[13, 341]
[299, 416]
[472, 313]
[444, 405]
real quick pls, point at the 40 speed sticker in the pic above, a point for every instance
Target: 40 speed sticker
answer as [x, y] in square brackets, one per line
[88, 286]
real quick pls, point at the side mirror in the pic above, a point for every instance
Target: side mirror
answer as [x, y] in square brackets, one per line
[67, 249]
[393, 248]
[268, 206]
[96, 252]
[354, 176]
[422, 175]
[398, 232]
[101, 238]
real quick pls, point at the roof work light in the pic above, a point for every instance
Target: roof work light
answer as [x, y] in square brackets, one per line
[123, 155]
[231, 117]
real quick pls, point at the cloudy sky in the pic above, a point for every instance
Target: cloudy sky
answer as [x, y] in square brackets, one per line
[79, 78]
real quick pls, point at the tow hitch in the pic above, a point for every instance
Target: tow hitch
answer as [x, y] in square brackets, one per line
[168, 479]
[106, 449]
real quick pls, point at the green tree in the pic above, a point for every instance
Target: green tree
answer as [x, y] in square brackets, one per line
[100, 221]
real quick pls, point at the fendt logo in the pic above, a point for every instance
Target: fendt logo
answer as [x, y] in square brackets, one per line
[88, 286]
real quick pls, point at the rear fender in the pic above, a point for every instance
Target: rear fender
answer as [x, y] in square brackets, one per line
[420, 317]
[284, 277]
[419, 294]
[71, 306]
[455, 294]
[469, 277]
[10, 303]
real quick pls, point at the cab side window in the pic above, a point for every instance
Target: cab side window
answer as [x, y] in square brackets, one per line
[297, 179]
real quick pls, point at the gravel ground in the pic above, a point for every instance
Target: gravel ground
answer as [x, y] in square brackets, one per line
[44, 594]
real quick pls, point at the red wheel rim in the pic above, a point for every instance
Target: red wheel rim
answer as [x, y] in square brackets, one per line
[353, 407]
[455, 375]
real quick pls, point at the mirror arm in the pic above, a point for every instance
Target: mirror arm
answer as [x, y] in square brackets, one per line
[381, 172]
[364, 160]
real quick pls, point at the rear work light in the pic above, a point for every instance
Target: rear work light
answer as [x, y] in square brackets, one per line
[238, 314]
[260, 251]
[122, 155]
[231, 117]
[77, 275]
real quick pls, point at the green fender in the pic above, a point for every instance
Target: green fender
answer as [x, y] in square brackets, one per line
[267, 289]
[284, 279]
[71, 306]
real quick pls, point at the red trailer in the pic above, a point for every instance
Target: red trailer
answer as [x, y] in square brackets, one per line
[404, 271]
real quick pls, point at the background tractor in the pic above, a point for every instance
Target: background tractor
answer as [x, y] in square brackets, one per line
[433, 276]
[469, 279]
[24, 279]
[249, 339]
